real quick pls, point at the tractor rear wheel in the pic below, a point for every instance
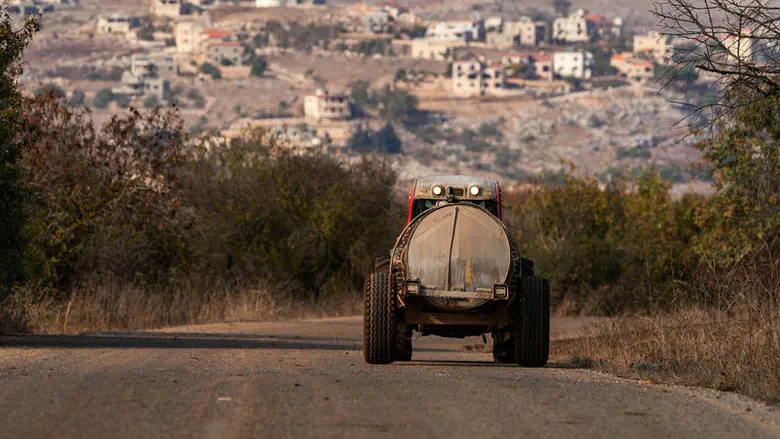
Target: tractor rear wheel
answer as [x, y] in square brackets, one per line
[532, 322]
[379, 319]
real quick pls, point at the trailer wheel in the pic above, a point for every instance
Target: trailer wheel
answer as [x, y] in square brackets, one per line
[379, 321]
[532, 322]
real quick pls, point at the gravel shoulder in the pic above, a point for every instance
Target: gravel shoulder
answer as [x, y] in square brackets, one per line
[308, 378]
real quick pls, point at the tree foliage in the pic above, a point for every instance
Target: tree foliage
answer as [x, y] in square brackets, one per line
[12, 245]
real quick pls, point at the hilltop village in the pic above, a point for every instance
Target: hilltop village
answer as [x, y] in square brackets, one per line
[507, 94]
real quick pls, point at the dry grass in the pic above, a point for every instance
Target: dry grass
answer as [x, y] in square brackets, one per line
[107, 305]
[739, 353]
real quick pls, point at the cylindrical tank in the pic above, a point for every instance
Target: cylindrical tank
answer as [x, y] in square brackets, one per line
[458, 247]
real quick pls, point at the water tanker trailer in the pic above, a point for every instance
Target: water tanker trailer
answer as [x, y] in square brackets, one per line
[455, 271]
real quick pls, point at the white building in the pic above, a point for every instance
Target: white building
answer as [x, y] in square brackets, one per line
[572, 29]
[117, 23]
[472, 77]
[186, 35]
[167, 8]
[653, 46]
[377, 21]
[322, 105]
[457, 30]
[576, 64]
[524, 32]
[156, 65]
[270, 3]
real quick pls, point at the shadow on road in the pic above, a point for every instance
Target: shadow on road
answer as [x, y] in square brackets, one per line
[181, 341]
[477, 363]
[153, 340]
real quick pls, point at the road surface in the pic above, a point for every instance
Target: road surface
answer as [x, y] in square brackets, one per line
[308, 379]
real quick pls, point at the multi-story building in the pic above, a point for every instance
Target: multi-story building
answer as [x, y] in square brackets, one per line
[543, 67]
[742, 47]
[377, 21]
[167, 8]
[574, 64]
[653, 46]
[472, 77]
[437, 50]
[117, 23]
[324, 105]
[631, 68]
[187, 34]
[573, 29]
[524, 32]
[153, 65]
[135, 86]
[604, 27]
[517, 59]
[225, 53]
[457, 30]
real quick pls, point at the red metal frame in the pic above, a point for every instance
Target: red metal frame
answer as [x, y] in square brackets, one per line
[411, 202]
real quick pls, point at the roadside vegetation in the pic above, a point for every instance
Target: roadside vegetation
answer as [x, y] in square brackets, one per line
[136, 224]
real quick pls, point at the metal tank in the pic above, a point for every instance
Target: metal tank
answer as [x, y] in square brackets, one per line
[457, 248]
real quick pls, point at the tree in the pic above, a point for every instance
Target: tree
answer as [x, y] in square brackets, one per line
[78, 99]
[396, 105]
[211, 70]
[359, 93]
[736, 42]
[400, 74]
[12, 219]
[361, 140]
[562, 7]
[259, 66]
[386, 141]
[103, 98]
[50, 90]
[151, 102]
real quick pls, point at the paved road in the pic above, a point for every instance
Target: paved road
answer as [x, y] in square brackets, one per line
[308, 379]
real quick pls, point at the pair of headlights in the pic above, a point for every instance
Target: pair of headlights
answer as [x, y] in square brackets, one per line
[474, 190]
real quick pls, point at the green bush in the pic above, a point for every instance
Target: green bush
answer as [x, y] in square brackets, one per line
[103, 98]
[211, 70]
[607, 250]
[12, 216]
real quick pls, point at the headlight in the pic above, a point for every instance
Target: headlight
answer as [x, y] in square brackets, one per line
[474, 191]
[438, 191]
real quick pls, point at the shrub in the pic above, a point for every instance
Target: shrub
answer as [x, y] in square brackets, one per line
[103, 98]
[211, 70]
[78, 99]
[259, 66]
[151, 102]
[384, 141]
[607, 250]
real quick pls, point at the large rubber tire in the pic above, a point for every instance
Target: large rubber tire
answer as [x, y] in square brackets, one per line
[379, 322]
[532, 322]
[403, 343]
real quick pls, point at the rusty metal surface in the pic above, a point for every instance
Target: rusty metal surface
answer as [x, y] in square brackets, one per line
[458, 247]
[424, 185]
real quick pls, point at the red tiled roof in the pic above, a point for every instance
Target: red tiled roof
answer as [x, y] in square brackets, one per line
[216, 33]
[225, 44]
[598, 19]
[542, 58]
[517, 55]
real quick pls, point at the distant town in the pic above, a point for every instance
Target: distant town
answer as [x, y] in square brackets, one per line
[505, 95]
